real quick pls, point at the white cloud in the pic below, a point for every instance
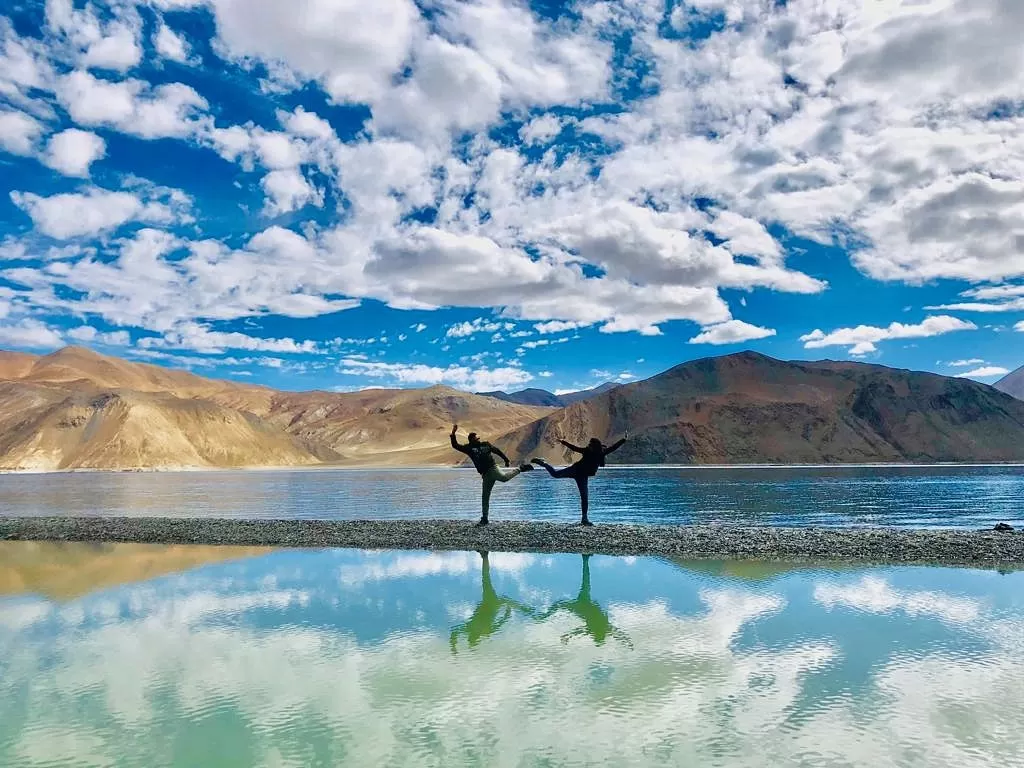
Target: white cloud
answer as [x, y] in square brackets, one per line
[556, 326]
[472, 327]
[72, 151]
[90, 335]
[966, 363]
[31, 333]
[19, 132]
[863, 338]
[419, 327]
[543, 343]
[461, 377]
[171, 45]
[78, 214]
[201, 339]
[540, 130]
[132, 106]
[1019, 326]
[119, 50]
[985, 372]
[731, 332]
[288, 190]
[351, 48]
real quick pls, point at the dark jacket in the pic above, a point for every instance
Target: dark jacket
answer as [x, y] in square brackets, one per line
[592, 458]
[481, 454]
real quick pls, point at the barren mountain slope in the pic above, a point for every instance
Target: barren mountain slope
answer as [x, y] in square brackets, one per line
[1012, 384]
[746, 408]
[76, 409]
[395, 426]
[124, 429]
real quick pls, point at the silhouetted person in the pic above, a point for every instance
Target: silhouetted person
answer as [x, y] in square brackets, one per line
[595, 620]
[485, 620]
[482, 453]
[584, 469]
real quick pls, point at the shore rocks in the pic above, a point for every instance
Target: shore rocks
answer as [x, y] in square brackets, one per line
[818, 544]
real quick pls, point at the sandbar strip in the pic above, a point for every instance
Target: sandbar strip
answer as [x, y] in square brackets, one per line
[953, 547]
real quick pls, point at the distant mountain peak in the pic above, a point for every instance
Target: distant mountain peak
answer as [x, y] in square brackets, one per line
[1012, 384]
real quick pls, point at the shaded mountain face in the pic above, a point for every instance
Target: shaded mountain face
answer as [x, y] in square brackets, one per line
[79, 409]
[748, 408]
[542, 397]
[1012, 384]
[586, 394]
[532, 396]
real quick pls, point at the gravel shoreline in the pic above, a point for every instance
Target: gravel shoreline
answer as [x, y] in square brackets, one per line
[952, 547]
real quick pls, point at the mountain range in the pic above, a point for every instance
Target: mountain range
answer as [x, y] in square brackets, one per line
[78, 409]
[542, 397]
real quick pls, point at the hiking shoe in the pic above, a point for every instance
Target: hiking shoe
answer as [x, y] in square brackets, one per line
[538, 461]
[526, 467]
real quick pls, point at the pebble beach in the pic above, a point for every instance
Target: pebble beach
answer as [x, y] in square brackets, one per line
[881, 545]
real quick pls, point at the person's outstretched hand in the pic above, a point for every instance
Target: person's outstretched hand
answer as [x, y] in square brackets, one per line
[455, 428]
[625, 435]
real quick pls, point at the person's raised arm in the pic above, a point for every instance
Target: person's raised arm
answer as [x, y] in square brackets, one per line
[497, 450]
[616, 446]
[455, 443]
[570, 446]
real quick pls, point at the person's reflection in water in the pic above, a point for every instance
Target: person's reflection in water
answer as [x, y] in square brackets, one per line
[490, 614]
[595, 619]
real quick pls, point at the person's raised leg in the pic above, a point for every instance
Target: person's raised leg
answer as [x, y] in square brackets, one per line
[503, 475]
[581, 484]
[563, 472]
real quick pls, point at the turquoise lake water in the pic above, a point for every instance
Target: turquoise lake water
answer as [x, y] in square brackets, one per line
[942, 496]
[142, 655]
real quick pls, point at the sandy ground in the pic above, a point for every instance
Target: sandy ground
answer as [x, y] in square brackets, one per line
[962, 547]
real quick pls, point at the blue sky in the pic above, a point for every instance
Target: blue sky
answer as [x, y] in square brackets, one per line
[494, 194]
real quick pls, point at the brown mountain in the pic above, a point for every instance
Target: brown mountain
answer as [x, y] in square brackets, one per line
[79, 409]
[1012, 384]
[748, 408]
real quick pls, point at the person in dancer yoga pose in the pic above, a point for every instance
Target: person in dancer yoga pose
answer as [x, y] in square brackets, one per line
[584, 469]
[482, 454]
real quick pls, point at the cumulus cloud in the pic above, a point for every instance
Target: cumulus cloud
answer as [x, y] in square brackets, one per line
[89, 335]
[201, 339]
[731, 332]
[985, 372]
[623, 188]
[171, 45]
[472, 327]
[88, 213]
[30, 333]
[966, 363]
[72, 151]
[863, 338]
[19, 132]
[461, 377]
[131, 106]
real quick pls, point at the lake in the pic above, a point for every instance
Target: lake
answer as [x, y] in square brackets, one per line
[918, 496]
[148, 655]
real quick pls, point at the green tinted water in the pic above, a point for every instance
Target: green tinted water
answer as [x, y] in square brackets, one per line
[133, 655]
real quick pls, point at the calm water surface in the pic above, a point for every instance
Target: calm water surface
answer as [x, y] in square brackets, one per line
[837, 496]
[141, 655]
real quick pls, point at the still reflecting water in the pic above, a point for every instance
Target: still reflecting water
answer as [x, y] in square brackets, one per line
[341, 657]
[941, 496]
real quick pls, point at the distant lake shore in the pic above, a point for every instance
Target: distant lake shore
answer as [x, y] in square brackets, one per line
[960, 547]
[439, 467]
